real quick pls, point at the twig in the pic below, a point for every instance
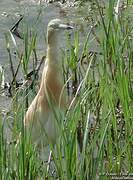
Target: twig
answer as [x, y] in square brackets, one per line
[49, 161]
[9, 53]
[14, 29]
[17, 70]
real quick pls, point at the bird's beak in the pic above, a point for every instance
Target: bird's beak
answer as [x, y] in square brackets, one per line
[65, 26]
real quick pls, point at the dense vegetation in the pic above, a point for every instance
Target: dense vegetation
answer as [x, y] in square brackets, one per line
[100, 115]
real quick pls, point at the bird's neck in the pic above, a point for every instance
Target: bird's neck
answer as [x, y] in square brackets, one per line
[52, 77]
[54, 62]
[53, 50]
[53, 56]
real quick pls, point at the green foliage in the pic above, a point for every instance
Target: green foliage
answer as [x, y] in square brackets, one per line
[99, 119]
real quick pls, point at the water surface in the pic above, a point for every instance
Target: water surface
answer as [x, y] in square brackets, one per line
[36, 16]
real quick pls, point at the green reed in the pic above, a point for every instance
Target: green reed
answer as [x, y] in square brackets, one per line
[96, 133]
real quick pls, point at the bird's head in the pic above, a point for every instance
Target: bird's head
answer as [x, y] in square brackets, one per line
[58, 24]
[55, 26]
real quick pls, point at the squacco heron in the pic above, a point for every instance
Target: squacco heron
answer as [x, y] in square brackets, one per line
[40, 118]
